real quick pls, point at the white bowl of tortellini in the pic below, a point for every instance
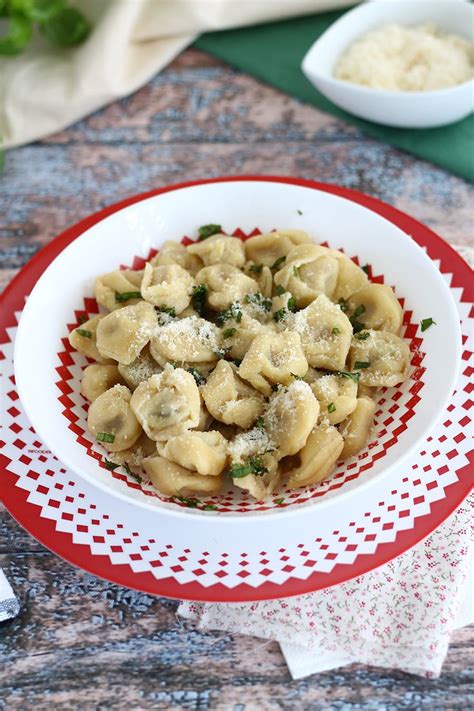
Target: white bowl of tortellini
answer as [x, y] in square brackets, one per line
[238, 375]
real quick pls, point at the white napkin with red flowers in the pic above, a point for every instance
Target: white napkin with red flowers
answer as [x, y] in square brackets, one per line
[399, 616]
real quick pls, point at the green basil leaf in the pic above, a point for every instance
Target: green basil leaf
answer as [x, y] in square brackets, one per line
[67, 28]
[37, 10]
[17, 36]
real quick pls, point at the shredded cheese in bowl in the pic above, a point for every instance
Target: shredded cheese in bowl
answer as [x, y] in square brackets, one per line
[397, 58]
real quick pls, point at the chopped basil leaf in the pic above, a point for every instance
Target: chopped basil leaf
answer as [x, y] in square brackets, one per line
[357, 326]
[336, 331]
[257, 268]
[84, 332]
[296, 271]
[279, 501]
[110, 465]
[238, 471]
[232, 312]
[296, 377]
[197, 375]
[198, 298]
[190, 502]
[105, 437]
[126, 296]
[331, 407]
[260, 423]
[229, 332]
[362, 336]
[259, 299]
[280, 290]
[350, 376]
[426, 323]
[358, 311]
[257, 466]
[209, 507]
[137, 477]
[208, 230]
[174, 364]
[165, 310]
[278, 262]
[365, 268]
[343, 304]
[299, 212]
[360, 364]
[279, 315]
[291, 304]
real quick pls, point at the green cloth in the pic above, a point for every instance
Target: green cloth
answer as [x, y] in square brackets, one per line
[274, 53]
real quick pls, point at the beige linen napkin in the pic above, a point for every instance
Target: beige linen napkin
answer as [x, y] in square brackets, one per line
[46, 89]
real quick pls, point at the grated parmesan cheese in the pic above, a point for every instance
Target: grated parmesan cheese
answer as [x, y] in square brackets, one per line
[420, 58]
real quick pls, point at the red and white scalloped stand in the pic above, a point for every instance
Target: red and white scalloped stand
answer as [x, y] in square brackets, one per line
[117, 541]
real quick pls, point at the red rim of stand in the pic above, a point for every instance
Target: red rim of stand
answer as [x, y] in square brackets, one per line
[80, 555]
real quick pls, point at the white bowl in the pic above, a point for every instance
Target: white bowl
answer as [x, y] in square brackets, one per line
[407, 109]
[48, 373]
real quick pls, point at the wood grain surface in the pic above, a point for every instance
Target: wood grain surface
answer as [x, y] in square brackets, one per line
[80, 642]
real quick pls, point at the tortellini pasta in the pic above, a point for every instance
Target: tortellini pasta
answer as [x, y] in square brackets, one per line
[112, 421]
[225, 284]
[167, 404]
[379, 308]
[191, 340]
[325, 333]
[97, 378]
[203, 452]
[382, 359]
[84, 339]
[355, 430]
[122, 334]
[167, 286]
[229, 399]
[174, 480]
[267, 249]
[111, 289]
[273, 358]
[219, 249]
[254, 362]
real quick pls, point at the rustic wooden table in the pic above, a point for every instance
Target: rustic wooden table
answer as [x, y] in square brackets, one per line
[80, 642]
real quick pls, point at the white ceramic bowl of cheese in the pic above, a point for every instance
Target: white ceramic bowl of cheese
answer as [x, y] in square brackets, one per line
[405, 109]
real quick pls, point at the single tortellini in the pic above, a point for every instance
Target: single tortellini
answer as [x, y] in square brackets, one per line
[133, 456]
[122, 334]
[268, 248]
[187, 340]
[379, 307]
[382, 359]
[173, 480]
[291, 415]
[309, 270]
[176, 253]
[238, 335]
[318, 457]
[325, 333]
[261, 486]
[203, 452]
[219, 249]
[140, 369]
[337, 397]
[356, 429]
[112, 421]
[84, 339]
[273, 358]
[229, 399]
[111, 289]
[97, 378]
[168, 286]
[226, 284]
[167, 404]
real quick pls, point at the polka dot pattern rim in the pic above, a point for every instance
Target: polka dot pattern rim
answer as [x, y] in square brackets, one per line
[38, 492]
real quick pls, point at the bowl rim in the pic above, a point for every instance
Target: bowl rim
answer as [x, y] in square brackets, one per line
[233, 519]
[400, 94]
